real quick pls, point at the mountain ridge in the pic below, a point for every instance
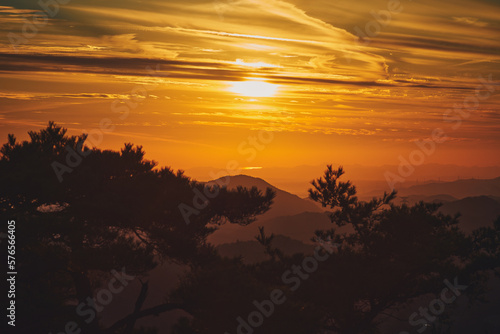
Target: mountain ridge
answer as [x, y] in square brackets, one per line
[298, 218]
[459, 188]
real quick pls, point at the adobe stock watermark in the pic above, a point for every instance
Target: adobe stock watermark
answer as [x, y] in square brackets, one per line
[427, 147]
[95, 136]
[30, 29]
[381, 18]
[248, 148]
[89, 309]
[292, 278]
[436, 307]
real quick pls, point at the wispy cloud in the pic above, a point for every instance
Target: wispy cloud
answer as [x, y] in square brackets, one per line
[427, 58]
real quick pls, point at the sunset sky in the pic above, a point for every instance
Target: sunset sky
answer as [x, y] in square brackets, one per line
[197, 78]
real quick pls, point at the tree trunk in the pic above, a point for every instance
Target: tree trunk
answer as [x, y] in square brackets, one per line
[84, 291]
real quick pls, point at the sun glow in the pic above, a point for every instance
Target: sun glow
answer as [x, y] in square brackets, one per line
[259, 64]
[254, 88]
[251, 168]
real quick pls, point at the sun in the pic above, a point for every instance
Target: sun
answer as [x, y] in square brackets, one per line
[254, 88]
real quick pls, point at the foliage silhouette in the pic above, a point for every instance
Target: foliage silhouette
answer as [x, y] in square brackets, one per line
[113, 210]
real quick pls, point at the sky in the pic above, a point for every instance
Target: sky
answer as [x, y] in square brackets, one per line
[259, 83]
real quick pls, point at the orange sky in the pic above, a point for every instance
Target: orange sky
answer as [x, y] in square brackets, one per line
[191, 81]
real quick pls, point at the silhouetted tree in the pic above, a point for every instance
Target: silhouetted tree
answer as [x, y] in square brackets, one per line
[81, 212]
[387, 255]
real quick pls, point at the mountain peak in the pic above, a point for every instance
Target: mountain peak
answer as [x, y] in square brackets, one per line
[285, 203]
[245, 181]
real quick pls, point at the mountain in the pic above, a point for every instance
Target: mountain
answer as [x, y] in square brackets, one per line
[480, 211]
[285, 204]
[289, 215]
[299, 227]
[413, 199]
[458, 189]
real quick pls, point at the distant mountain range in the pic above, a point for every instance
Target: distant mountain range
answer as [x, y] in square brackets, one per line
[412, 199]
[298, 218]
[296, 179]
[458, 189]
[480, 211]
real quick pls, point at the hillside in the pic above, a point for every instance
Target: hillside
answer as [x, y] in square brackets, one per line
[289, 215]
[413, 199]
[299, 227]
[475, 212]
[253, 251]
[458, 189]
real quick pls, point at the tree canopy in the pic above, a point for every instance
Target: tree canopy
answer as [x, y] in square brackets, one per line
[110, 210]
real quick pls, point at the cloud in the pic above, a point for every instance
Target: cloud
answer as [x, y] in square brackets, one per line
[473, 21]
[427, 58]
[16, 96]
[31, 97]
